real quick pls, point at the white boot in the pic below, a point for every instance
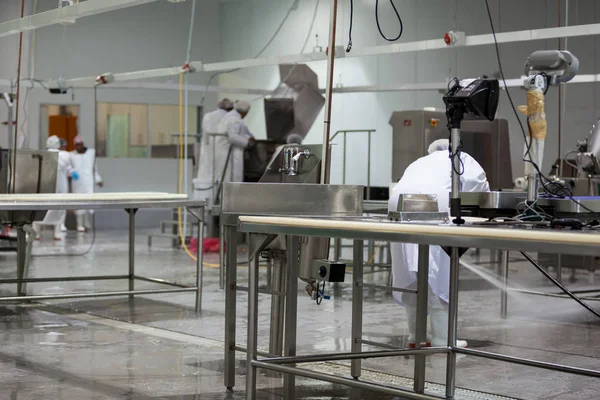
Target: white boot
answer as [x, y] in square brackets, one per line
[57, 232]
[411, 322]
[439, 328]
[80, 222]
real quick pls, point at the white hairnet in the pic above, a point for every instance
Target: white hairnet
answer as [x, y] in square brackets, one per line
[438, 145]
[53, 143]
[294, 138]
[242, 106]
[225, 104]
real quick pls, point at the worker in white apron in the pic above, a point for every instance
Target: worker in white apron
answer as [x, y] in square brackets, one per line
[64, 171]
[430, 175]
[208, 174]
[84, 162]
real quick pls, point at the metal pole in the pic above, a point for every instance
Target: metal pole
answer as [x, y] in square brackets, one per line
[357, 305]
[21, 259]
[400, 393]
[504, 292]
[394, 352]
[452, 323]
[221, 256]
[421, 323]
[337, 249]
[559, 268]
[531, 363]
[10, 124]
[455, 139]
[200, 261]
[325, 160]
[369, 169]
[230, 304]
[291, 309]
[277, 307]
[344, 162]
[251, 354]
[131, 213]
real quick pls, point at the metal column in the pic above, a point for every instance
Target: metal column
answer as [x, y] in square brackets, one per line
[357, 305]
[131, 213]
[251, 352]
[291, 310]
[452, 323]
[199, 261]
[504, 292]
[230, 234]
[421, 323]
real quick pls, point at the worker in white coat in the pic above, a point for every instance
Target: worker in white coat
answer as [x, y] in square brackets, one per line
[430, 175]
[84, 162]
[208, 173]
[64, 171]
[238, 139]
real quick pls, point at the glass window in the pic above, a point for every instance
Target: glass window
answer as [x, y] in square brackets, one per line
[122, 130]
[141, 130]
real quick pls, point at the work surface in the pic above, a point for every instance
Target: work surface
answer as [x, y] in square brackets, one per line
[68, 201]
[528, 239]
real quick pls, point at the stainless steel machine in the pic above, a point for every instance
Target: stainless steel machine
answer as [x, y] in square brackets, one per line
[487, 141]
[289, 186]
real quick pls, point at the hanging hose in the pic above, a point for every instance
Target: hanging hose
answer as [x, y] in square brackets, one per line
[560, 286]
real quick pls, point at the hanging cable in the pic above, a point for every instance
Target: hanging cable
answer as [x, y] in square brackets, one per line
[349, 47]
[379, 25]
[559, 285]
[213, 76]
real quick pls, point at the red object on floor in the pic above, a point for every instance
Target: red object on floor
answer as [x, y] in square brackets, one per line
[209, 245]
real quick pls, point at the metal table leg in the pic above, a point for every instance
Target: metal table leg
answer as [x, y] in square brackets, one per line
[199, 258]
[21, 259]
[277, 306]
[291, 310]
[421, 323]
[504, 293]
[559, 269]
[357, 305]
[221, 256]
[452, 323]
[131, 213]
[252, 349]
[230, 234]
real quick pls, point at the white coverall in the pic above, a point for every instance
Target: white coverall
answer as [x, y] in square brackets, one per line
[238, 136]
[430, 175]
[86, 167]
[57, 217]
[208, 172]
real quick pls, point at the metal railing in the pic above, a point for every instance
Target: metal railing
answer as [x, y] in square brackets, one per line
[345, 134]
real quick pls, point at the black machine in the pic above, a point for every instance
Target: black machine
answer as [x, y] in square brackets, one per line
[479, 98]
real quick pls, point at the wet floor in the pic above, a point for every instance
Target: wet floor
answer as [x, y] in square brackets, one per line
[157, 347]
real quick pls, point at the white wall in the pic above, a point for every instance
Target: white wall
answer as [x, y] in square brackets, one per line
[246, 26]
[144, 37]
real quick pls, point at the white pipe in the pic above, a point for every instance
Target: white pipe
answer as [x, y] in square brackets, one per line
[56, 16]
[433, 44]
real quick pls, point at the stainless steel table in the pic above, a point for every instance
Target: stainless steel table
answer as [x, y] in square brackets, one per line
[102, 201]
[260, 228]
